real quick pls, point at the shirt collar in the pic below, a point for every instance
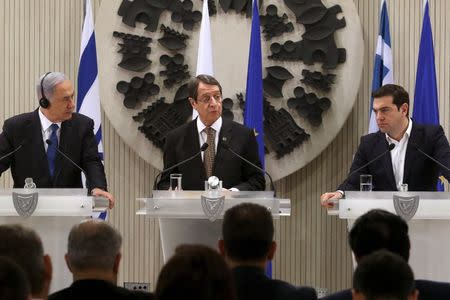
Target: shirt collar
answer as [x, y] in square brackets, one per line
[407, 133]
[216, 125]
[46, 123]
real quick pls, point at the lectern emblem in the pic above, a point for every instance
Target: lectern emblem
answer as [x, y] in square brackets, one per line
[213, 207]
[25, 204]
[406, 207]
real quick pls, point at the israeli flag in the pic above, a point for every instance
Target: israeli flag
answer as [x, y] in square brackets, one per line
[383, 71]
[88, 102]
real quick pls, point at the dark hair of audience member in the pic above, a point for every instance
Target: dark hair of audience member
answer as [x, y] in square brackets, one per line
[379, 229]
[195, 272]
[25, 248]
[247, 231]
[384, 275]
[13, 281]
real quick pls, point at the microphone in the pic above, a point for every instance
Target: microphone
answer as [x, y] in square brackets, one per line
[227, 147]
[11, 152]
[202, 148]
[430, 157]
[389, 149]
[73, 163]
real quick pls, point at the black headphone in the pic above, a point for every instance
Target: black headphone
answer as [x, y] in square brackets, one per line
[43, 102]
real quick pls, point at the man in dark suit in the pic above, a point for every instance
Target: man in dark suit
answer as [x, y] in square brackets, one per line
[205, 96]
[404, 163]
[247, 245]
[36, 135]
[379, 229]
[93, 256]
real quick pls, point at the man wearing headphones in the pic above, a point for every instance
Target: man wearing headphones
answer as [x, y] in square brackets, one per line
[52, 144]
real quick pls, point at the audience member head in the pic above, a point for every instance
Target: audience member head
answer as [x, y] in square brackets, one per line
[195, 272]
[14, 284]
[383, 275]
[379, 229]
[247, 235]
[205, 96]
[24, 247]
[93, 251]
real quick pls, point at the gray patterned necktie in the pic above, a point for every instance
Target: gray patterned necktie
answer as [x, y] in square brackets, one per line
[210, 152]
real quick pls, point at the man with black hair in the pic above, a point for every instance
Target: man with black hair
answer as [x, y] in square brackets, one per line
[379, 229]
[14, 284]
[247, 245]
[404, 163]
[384, 275]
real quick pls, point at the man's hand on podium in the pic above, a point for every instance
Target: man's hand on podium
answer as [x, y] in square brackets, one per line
[100, 192]
[325, 198]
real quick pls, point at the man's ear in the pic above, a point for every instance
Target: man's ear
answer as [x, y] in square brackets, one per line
[69, 266]
[48, 269]
[117, 263]
[357, 295]
[192, 101]
[272, 250]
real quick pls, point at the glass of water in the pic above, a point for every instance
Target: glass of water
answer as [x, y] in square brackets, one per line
[365, 183]
[175, 182]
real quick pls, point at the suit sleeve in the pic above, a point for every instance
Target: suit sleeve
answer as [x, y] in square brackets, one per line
[91, 161]
[351, 183]
[252, 179]
[442, 151]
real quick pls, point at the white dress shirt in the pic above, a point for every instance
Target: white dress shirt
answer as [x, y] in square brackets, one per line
[46, 130]
[398, 154]
[202, 136]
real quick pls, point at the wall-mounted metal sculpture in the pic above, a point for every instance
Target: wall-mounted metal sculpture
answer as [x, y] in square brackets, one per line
[176, 71]
[309, 106]
[183, 13]
[239, 6]
[274, 25]
[318, 80]
[274, 81]
[172, 39]
[134, 51]
[137, 90]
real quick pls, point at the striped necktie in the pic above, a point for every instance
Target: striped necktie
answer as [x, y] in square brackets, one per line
[210, 152]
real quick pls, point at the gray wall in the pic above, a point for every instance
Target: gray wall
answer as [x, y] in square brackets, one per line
[43, 35]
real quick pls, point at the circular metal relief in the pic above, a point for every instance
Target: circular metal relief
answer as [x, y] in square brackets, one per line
[315, 92]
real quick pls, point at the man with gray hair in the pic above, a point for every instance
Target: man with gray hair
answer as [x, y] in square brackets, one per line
[93, 256]
[30, 143]
[24, 247]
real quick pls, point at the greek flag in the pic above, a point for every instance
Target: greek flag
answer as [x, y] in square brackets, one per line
[88, 102]
[426, 105]
[383, 71]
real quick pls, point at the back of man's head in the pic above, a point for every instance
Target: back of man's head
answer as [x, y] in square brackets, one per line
[14, 283]
[247, 232]
[383, 275]
[379, 229]
[25, 248]
[93, 245]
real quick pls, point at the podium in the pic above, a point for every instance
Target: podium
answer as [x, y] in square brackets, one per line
[182, 219]
[56, 212]
[428, 229]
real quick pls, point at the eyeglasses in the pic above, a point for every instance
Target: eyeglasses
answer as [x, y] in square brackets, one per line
[207, 98]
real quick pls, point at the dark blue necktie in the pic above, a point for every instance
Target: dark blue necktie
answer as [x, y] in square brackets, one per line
[51, 150]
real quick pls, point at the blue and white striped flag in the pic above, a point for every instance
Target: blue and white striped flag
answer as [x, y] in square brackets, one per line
[88, 102]
[383, 71]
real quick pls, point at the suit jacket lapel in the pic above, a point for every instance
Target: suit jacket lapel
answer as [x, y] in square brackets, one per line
[66, 132]
[387, 160]
[225, 136]
[192, 146]
[416, 138]
[37, 144]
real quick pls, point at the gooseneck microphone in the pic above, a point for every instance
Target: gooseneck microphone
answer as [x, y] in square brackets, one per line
[11, 152]
[430, 157]
[389, 149]
[73, 163]
[202, 148]
[227, 147]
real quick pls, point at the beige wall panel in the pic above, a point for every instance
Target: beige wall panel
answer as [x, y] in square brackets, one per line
[44, 35]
